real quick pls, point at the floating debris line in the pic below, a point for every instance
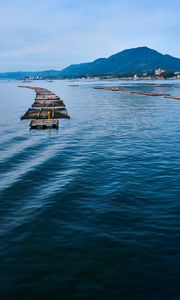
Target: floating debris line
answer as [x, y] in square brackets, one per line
[138, 92]
[46, 109]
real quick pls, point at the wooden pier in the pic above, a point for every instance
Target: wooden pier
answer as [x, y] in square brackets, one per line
[46, 109]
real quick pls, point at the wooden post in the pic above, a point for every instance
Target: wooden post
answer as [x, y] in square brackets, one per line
[49, 116]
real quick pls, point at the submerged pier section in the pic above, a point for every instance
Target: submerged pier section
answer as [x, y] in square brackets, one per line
[139, 92]
[46, 109]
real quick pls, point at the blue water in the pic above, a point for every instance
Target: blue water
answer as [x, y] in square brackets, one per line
[92, 210]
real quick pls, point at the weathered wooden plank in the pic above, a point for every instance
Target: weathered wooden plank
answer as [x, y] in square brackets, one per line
[55, 113]
[31, 114]
[47, 97]
[41, 103]
[41, 93]
[58, 114]
[44, 124]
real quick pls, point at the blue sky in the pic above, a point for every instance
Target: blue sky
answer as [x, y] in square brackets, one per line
[52, 34]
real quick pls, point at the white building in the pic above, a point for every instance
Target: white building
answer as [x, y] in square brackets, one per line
[159, 72]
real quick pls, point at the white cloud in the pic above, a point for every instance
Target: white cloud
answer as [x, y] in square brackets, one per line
[61, 32]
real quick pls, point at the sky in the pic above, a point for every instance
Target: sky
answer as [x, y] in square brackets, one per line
[52, 34]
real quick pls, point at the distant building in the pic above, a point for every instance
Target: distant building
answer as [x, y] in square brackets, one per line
[135, 77]
[177, 75]
[159, 72]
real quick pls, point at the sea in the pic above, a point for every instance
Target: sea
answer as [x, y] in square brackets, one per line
[91, 210]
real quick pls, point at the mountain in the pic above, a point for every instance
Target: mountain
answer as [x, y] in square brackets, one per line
[22, 75]
[141, 59]
[135, 60]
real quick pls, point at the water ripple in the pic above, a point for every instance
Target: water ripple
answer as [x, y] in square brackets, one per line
[93, 208]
